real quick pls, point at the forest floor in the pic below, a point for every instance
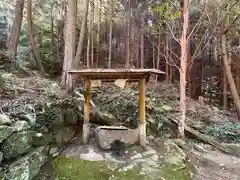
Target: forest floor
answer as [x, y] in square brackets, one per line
[211, 164]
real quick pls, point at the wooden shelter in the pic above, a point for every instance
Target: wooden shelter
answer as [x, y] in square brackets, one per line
[110, 75]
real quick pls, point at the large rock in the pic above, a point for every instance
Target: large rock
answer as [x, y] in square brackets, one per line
[63, 135]
[70, 116]
[107, 135]
[5, 131]
[28, 166]
[5, 120]
[174, 156]
[17, 144]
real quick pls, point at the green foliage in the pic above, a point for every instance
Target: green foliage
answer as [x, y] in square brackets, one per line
[225, 131]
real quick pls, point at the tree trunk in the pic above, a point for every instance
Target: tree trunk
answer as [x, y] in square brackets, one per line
[183, 69]
[92, 34]
[81, 37]
[142, 43]
[158, 54]
[228, 73]
[110, 37]
[70, 31]
[32, 42]
[14, 41]
[98, 32]
[89, 40]
[167, 61]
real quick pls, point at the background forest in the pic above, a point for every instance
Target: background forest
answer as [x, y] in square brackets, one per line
[195, 42]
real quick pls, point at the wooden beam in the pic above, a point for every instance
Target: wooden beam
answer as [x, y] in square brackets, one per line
[142, 122]
[87, 96]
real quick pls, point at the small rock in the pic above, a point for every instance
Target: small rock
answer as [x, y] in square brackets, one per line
[149, 152]
[106, 137]
[5, 120]
[21, 126]
[92, 156]
[42, 139]
[54, 151]
[137, 156]
[200, 148]
[180, 143]
[150, 138]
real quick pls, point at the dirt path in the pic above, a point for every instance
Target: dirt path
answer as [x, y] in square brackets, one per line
[214, 165]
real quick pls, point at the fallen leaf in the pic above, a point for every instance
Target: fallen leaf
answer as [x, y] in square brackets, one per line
[120, 83]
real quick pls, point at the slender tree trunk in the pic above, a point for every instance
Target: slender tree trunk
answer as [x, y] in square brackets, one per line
[110, 37]
[142, 42]
[158, 54]
[137, 51]
[167, 61]
[70, 32]
[92, 35]
[183, 69]
[153, 55]
[228, 72]
[89, 40]
[31, 38]
[52, 31]
[82, 34]
[128, 38]
[171, 66]
[14, 41]
[98, 32]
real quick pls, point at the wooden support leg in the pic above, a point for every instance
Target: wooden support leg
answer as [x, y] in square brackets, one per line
[87, 95]
[142, 122]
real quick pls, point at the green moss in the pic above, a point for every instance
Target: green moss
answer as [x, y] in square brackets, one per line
[73, 169]
[171, 173]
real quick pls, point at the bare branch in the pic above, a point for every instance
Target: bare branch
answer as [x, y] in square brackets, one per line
[231, 24]
[169, 27]
[196, 25]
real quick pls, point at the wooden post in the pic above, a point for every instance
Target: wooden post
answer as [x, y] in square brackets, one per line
[142, 123]
[87, 95]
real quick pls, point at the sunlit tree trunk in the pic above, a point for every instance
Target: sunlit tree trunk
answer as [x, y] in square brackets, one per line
[14, 41]
[31, 39]
[81, 37]
[228, 72]
[70, 31]
[183, 69]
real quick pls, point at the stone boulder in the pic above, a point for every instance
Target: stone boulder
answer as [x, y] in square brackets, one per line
[63, 135]
[17, 144]
[5, 131]
[174, 156]
[5, 120]
[107, 135]
[28, 166]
